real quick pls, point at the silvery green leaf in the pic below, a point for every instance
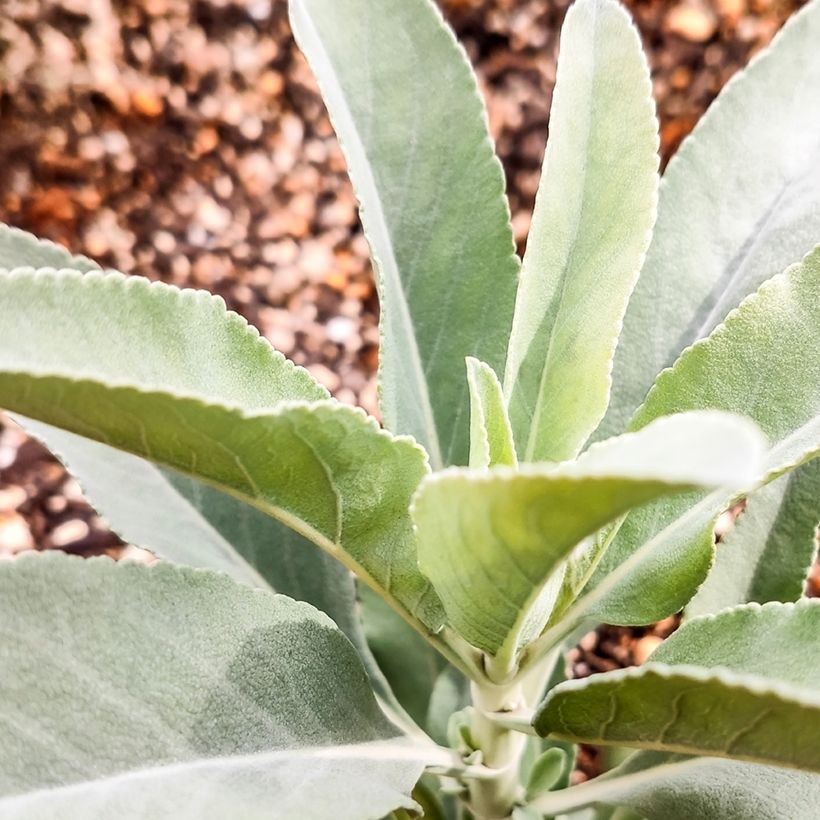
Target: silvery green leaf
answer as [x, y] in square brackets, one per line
[761, 362]
[491, 441]
[768, 552]
[205, 396]
[190, 522]
[743, 684]
[492, 540]
[19, 248]
[661, 786]
[139, 692]
[405, 105]
[591, 228]
[196, 525]
[739, 202]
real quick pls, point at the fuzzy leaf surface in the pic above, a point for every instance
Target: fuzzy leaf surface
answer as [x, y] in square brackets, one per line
[404, 102]
[662, 786]
[742, 684]
[191, 523]
[761, 362]
[591, 227]
[136, 692]
[490, 540]
[206, 397]
[491, 441]
[21, 249]
[767, 554]
[739, 202]
[408, 662]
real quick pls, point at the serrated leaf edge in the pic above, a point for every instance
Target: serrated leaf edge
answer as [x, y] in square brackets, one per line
[191, 296]
[48, 243]
[788, 694]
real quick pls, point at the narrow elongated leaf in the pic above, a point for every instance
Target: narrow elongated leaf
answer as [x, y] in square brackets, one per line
[591, 228]
[742, 684]
[762, 362]
[739, 202]
[767, 554]
[676, 787]
[490, 540]
[135, 692]
[405, 105]
[323, 469]
[491, 441]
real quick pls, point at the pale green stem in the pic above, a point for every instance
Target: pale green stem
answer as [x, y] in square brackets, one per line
[493, 797]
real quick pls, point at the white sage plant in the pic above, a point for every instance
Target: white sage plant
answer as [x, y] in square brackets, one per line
[353, 623]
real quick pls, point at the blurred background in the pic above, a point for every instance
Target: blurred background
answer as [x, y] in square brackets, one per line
[185, 140]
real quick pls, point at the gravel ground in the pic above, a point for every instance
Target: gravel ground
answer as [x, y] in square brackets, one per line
[186, 141]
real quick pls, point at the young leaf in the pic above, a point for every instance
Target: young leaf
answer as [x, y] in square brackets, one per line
[546, 771]
[761, 362]
[491, 440]
[591, 228]
[676, 787]
[738, 202]
[410, 120]
[130, 691]
[489, 540]
[742, 684]
[232, 426]
[767, 554]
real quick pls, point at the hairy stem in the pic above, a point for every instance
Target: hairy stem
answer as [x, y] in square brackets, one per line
[493, 797]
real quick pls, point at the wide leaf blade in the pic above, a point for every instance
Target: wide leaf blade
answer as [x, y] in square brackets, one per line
[191, 523]
[739, 202]
[761, 362]
[767, 554]
[321, 468]
[490, 540]
[126, 687]
[196, 525]
[742, 684]
[591, 228]
[411, 123]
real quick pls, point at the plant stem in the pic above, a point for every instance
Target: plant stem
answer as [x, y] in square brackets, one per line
[493, 798]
